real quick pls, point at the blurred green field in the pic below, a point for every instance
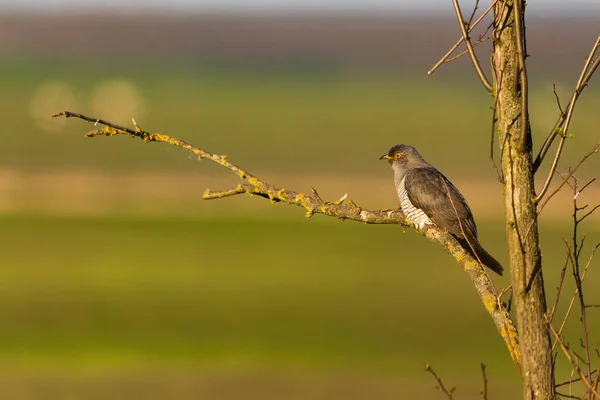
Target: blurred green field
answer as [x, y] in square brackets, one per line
[223, 301]
[331, 121]
[83, 299]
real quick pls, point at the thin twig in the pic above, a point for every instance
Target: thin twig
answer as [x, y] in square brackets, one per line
[577, 277]
[562, 124]
[440, 385]
[570, 381]
[557, 99]
[482, 38]
[572, 302]
[461, 22]
[484, 392]
[573, 362]
[561, 144]
[558, 290]
[460, 40]
[475, 8]
[502, 292]
[597, 372]
[569, 175]
[589, 213]
[568, 396]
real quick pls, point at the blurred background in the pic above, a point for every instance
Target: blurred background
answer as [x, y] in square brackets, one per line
[119, 281]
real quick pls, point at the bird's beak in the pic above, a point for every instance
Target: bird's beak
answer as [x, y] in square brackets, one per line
[385, 157]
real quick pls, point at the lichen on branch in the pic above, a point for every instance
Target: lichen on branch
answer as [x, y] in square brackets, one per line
[342, 208]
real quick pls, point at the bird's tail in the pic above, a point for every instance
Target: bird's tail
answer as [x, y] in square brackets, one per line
[473, 247]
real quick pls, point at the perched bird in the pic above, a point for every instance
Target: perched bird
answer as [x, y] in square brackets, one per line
[427, 197]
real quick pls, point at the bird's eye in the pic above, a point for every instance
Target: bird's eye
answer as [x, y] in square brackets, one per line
[397, 155]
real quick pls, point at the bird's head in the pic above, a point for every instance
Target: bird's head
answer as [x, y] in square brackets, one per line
[403, 156]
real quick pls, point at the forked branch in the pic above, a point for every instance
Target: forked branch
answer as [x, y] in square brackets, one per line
[440, 385]
[446, 58]
[465, 34]
[341, 209]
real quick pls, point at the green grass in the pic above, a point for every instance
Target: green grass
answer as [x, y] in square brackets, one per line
[317, 293]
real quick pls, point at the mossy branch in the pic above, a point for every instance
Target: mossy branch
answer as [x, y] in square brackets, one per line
[341, 209]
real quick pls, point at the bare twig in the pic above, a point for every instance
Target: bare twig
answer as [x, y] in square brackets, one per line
[460, 40]
[339, 209]
[482, 38]
[568, 396]
[440, 386]
[597, 372]
[562, 124]
[502, 292]
[558, 289]
[569, 175]
[569, 382]
[484, 392]
[575, 365]
[555, 161]
[579, 286]
[461, 22]
[572, 302]
[557, 99]
[475, 8]
[590, 212]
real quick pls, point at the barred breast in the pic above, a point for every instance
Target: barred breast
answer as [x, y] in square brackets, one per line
[414, 215]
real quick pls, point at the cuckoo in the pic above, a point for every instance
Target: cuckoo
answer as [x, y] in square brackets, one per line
[427, 197]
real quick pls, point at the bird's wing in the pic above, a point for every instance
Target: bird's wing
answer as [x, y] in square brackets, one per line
[433, 193]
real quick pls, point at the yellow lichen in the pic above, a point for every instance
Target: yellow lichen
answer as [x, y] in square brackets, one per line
[252, 180]
[490, 303]
[509, 334]
[470, 264]
[162, 138]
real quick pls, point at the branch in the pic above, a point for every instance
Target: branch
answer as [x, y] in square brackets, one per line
[574, 363]
[570, 307]
[484, 392]
[562, 124]
[461, 22]
[446, 57]
[440, 385]
[570, 381]
[559, 289]
[577, 275]
[314, 204]
[566, 179]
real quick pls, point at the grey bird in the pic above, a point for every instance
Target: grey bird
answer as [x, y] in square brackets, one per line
[427, 197]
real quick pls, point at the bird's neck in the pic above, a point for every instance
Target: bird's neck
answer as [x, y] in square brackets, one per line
[399, 174]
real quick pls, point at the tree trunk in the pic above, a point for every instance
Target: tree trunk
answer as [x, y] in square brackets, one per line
[522, 229]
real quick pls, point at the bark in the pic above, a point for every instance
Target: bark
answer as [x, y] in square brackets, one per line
[510, 89]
